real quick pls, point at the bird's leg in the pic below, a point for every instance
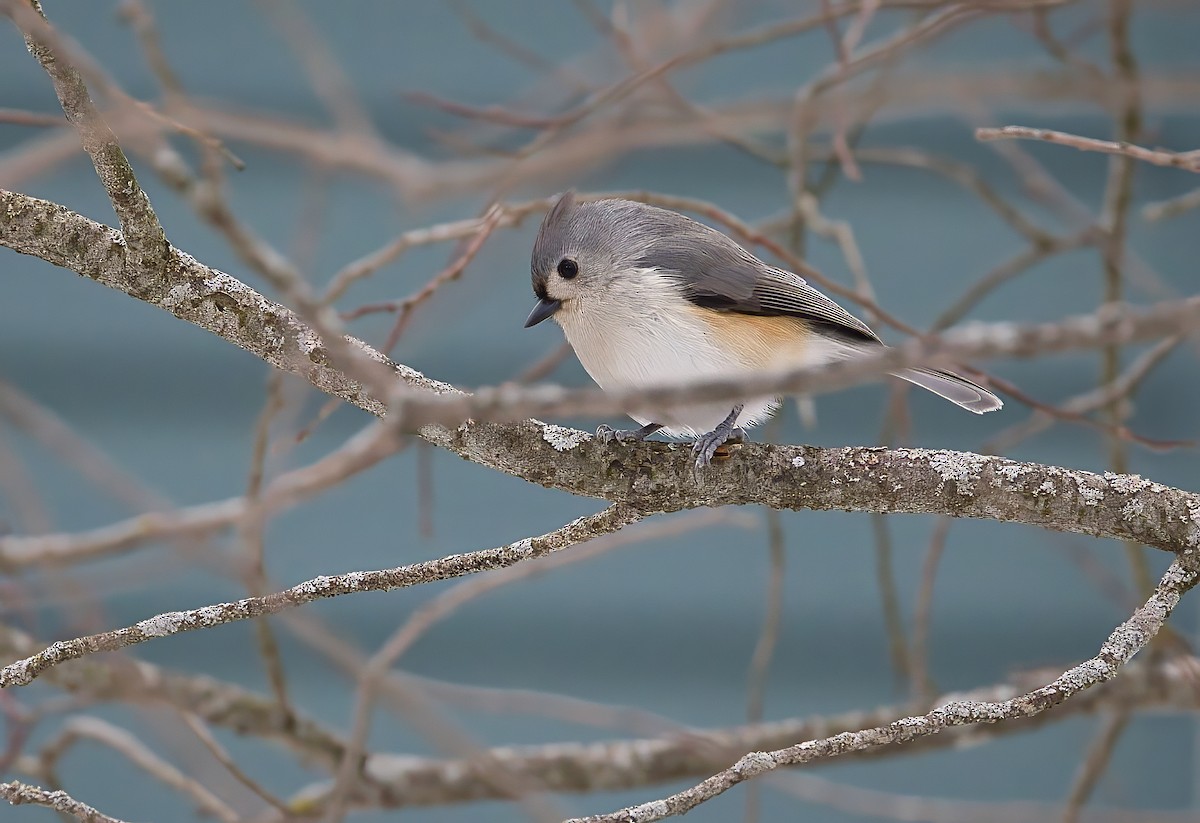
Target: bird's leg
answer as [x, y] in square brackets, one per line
[727, 430]
[607, 434]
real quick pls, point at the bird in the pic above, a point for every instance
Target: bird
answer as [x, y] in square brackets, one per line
[648, 297]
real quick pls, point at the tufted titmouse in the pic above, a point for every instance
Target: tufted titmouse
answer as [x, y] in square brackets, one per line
[648, 297]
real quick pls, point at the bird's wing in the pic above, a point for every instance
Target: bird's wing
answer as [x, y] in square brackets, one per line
[716, 273]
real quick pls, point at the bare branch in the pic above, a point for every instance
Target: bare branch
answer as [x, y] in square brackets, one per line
[455, 565]
[230, 309]
[1188, 161]
[1172, 208]
[1092, 768]
[219, 704]
[19, 794]
[128, 746]
[222, 756]
[1125, 641]
[139, 224]
[680, 752]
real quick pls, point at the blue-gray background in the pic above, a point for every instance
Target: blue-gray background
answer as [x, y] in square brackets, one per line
[667, 626]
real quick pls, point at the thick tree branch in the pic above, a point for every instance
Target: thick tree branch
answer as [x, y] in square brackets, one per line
[654, 477]
[222, 304]
[959, 484]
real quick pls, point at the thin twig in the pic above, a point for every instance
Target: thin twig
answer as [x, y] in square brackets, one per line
[455, 565]
[128, 746]
[139, 224]
[1124, 386]
[1125, 641]
[677, 752]
[921, 681]
[19, 794]
[1114, 222]
[768, 639]
[1009, 270]
[222, 756]
[251, 528]
[1173, 207]
[445, 605]
[1094, 763]
[1188, 161]
[20, 117]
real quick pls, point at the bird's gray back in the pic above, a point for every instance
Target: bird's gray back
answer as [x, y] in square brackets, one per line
[713, 271]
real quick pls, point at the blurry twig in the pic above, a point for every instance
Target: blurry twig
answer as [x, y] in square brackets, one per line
[500, 216]
[92, 464]
[170, 623]
[893, 620]
[962, 174]
[18, 489]
[1125, 641]
[404, 308]
[546, 364]
[1114, 222]
[768, 638]
[441, 607]
[1010, 269]
[1174, 207]
[359, 452]
[124, 743]
[222, 756]
[325, 75]
[1092, 768]
[251, 527]
[141, 19]
[1188, 161]
[19, 117]
[921, 681]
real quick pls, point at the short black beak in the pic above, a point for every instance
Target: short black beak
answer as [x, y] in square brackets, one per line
[544, 308]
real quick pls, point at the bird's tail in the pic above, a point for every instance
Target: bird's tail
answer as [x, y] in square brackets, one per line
[957, 390]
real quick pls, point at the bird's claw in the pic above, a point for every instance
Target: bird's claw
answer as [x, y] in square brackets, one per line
[715, 445]
[607, 434]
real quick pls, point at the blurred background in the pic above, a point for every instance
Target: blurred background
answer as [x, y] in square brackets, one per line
[359, 122]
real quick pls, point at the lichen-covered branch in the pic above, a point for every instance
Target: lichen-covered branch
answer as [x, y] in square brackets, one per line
[455, 565]
[656, 477]
[140, 226]
[19, 794]
[227, 307]
[218, 703]
[1125, 641]
[402, 781]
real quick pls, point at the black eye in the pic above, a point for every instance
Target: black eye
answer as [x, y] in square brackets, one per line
[567, 268]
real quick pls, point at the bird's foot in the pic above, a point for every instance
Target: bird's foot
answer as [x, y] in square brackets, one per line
[713, 444]
[607, 434]
[724, 451]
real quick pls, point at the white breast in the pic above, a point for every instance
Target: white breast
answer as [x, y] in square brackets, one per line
[652, 336]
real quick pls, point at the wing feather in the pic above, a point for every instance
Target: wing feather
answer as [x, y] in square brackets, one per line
[716, 273]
